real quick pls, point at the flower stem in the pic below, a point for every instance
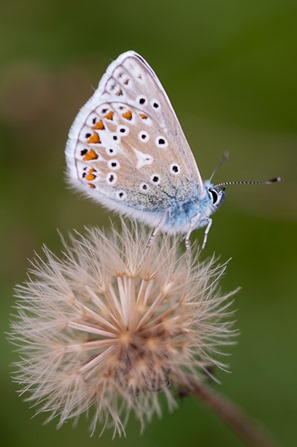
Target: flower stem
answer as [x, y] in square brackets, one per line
[250, 432]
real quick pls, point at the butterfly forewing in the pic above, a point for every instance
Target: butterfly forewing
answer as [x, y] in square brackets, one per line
[126, 145]
[135, 80]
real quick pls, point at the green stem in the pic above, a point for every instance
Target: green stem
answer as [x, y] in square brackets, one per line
[250, 432]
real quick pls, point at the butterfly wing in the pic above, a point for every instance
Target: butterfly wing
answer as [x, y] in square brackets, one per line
[126, 147]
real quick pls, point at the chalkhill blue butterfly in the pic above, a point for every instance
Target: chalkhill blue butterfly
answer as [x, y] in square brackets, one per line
[126, 149]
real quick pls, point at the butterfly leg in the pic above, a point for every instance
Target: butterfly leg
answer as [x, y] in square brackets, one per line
[204, 221]
[187, 241]
[208, 222]
[153, 235]
[156, 230]
[193, 224]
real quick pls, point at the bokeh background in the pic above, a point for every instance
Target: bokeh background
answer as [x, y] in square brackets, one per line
[230, 70]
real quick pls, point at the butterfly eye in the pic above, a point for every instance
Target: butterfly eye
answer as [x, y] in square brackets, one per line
[214, 195]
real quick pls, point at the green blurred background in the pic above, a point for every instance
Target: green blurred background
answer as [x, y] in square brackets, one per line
[230, 70]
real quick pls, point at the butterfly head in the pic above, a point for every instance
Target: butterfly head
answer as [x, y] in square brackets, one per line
[215, 195]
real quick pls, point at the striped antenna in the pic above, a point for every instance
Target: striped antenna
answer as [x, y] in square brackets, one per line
[252, 182]
[244, 182]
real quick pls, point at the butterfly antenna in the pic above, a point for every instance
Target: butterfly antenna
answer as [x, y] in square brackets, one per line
[252, 182]
[224, 158]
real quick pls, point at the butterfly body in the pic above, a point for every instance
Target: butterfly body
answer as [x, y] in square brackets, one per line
[188, 213]
[126, 150]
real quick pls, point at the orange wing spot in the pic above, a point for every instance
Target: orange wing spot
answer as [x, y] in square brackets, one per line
[94, 138]
[143, 116]
[99, 125]
[90, 155]
[91, 185]
[90, 176]
[127, 115]
[109, 115]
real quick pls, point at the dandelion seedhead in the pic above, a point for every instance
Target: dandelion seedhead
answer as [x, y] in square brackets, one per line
[114, 324]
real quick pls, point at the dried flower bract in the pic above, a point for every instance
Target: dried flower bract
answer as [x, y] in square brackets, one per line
[114, 324]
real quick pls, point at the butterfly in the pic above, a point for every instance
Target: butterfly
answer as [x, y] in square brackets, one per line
[126, 150]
